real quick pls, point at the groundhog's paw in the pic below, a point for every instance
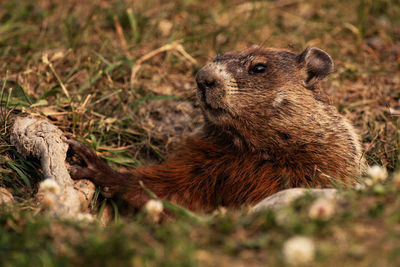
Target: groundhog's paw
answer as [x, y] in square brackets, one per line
[96, 169]
[79, 172]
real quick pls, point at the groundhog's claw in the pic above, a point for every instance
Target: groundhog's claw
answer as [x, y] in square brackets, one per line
[97, 170]
[78, 172]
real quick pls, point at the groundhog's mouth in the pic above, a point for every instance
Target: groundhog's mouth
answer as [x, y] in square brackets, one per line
[213, 113]
[209, 106]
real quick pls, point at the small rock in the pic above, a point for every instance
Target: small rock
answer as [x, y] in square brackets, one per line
[285, 197]
[221, 39]
[376, 43]
[85, 190]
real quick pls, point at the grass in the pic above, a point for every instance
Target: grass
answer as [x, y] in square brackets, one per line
[73, 63]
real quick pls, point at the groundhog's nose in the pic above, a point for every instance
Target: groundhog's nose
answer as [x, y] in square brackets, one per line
[206, 79]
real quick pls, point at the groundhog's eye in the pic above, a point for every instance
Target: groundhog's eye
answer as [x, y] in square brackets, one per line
[259, 68]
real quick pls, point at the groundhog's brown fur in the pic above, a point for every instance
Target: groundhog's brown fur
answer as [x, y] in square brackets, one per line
[267, 127]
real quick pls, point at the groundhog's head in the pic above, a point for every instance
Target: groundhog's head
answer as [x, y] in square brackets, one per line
[258, 90]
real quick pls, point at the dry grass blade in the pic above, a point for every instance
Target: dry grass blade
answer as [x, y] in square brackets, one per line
[172, 46]
[45, 60]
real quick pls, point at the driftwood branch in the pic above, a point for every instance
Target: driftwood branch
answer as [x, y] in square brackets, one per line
[39, 138]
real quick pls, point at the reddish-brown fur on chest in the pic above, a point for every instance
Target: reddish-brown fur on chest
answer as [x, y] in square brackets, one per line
[203, 176]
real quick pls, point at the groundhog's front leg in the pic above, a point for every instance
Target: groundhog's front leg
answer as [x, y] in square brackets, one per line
[97, 170]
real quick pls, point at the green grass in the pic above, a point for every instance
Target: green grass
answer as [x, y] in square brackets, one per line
[363, 231]
[86, 87]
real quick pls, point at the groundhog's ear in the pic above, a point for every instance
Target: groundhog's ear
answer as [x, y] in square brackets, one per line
[316, 64]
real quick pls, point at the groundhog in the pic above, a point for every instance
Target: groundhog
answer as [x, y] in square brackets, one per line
[268, 126]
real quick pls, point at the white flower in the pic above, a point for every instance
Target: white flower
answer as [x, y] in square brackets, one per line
[368, 182]
[298, 250]
[50, 190]
[359, 187]
[84, 217]
[154, 208]
[49, 186]
[220, 211]
[322, 208]
[377, 173]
